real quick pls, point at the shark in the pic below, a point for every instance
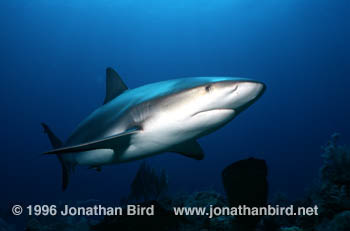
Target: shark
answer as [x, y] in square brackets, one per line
[166, 116]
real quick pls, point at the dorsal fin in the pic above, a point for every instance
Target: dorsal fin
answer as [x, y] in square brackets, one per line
[114, 85]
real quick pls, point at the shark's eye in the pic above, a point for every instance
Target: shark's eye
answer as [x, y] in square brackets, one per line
[208, 88]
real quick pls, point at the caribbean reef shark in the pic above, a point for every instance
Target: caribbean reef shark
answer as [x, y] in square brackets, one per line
[167, 116]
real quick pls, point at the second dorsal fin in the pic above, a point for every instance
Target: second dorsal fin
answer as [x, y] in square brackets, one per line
[114, 85]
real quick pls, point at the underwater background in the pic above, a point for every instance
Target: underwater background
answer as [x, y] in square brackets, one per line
[53, 59]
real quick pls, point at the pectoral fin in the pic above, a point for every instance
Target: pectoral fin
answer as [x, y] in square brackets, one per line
[108, 142]
[191, 149]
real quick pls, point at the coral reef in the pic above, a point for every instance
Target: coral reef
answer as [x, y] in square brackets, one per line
[61, 224]
[334, 191]
[4, 226]
[341, 222]
[331, 194]
[162, 219]
[203, 200]
[222, 223]
[294, 228]
[165, 219]
[148, 184]
[336, 162]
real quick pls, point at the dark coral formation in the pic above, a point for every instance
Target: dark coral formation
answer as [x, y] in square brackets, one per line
[340, 222]
[334, 192]
[4, 226]
[36, 224]
[245, 183]
[203, 200]
[148, 184]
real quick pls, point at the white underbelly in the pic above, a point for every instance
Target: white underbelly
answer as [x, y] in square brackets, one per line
[141, 146]
[94, 157]
[158, 135]
[144, 145]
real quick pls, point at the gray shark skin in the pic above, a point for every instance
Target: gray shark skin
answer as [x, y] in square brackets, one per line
[167, 116]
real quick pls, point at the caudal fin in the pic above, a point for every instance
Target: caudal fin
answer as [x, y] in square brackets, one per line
[57, 143]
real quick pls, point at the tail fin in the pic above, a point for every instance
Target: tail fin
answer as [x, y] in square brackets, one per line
[56, 143]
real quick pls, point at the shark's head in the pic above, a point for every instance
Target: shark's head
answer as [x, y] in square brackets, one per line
[208, 103]
[230, 94]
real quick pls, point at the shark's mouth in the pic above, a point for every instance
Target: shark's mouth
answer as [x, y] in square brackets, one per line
[214, 112]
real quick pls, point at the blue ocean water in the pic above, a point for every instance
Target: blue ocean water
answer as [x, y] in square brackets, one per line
[53, 60]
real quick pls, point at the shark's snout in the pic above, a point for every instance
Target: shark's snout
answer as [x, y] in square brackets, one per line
[247, 93]
[251, 89]
[261, 87]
